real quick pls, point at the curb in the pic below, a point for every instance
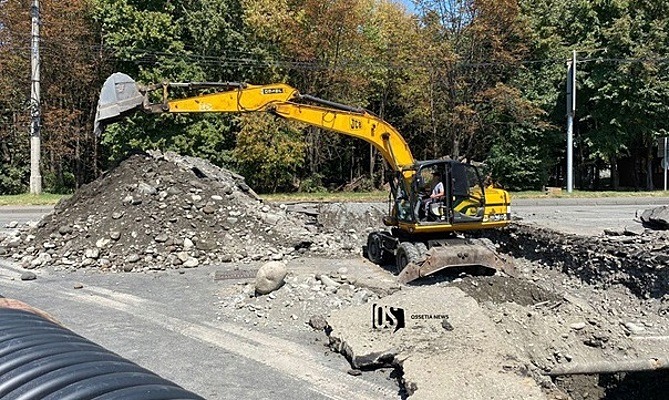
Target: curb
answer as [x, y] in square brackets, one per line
[26, 209]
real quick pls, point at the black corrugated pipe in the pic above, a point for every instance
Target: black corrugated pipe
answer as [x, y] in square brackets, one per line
[40, 359]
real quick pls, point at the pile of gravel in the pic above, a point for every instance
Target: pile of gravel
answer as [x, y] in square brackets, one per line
[299, 304]
[161, 210]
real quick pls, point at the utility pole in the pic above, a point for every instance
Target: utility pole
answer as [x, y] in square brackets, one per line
[571, 112]
[665, 163]
[35, 110]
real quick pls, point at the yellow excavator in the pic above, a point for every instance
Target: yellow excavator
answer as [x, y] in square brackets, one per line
[430, 201]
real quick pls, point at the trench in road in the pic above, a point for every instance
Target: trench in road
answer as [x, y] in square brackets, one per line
[288, 358]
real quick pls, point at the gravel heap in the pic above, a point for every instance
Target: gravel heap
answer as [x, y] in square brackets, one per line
[300, 304]
[637, 261]
[161, 210]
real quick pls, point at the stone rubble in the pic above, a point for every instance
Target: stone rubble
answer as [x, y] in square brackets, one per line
[638, 262]
[299, 304]
[160, 211]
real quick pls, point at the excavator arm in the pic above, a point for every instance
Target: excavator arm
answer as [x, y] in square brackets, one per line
[121, 95]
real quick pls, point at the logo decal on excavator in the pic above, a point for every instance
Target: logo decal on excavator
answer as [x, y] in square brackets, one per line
[272, 91]
[356, 123]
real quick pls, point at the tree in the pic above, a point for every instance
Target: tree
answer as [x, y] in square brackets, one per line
[269, 152]
[629, 90]
[68, 70]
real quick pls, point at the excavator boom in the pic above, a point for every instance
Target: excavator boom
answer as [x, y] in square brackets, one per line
[121, 95]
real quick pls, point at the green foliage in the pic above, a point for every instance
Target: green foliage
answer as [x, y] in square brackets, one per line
[483, 79]
[518, 162]
[268, 152]
[12, 179]
[207, 136]
[312, 184]
[63, 183]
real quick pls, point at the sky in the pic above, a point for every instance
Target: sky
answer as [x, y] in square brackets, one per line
[408, 4]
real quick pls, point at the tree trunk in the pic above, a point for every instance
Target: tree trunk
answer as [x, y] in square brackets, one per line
[456, 148]
[371, 164]
[615, 177]
[649, 166]
[313, 150]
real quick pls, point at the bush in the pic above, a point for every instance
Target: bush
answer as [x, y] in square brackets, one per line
[312, 184]
[13, 180]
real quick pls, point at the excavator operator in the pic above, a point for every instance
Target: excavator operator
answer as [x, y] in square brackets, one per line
[436, 195]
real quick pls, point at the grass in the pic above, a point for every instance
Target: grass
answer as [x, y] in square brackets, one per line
[374, 196]
[31, 199]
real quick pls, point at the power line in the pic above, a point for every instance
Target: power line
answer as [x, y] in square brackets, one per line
[246, 58]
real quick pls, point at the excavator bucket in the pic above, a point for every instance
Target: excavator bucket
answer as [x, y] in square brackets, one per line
[453, 256]
[120, 94]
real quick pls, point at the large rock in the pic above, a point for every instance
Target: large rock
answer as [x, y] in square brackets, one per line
[656, 218]
[270, 277]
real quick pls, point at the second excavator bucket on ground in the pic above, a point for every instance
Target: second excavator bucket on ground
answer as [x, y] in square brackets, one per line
[120, 94]
[455, 255]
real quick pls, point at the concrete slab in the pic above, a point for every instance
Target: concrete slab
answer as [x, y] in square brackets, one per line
[447, 348]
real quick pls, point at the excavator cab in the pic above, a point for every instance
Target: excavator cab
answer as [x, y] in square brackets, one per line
[425, 235]
[462, 199]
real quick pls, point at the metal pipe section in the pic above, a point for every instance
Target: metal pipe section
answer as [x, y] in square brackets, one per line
[40, 359]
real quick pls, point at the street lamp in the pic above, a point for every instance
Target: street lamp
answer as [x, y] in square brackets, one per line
[571, 112]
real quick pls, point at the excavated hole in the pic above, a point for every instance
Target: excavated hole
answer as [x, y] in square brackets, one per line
[501, 289]
[635, 262]
[623, 386]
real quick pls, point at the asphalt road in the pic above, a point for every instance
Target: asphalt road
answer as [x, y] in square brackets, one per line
[585, 216]
[21, 215]
[167, 321]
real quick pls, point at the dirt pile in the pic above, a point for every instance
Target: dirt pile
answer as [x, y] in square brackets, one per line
[159, 211]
